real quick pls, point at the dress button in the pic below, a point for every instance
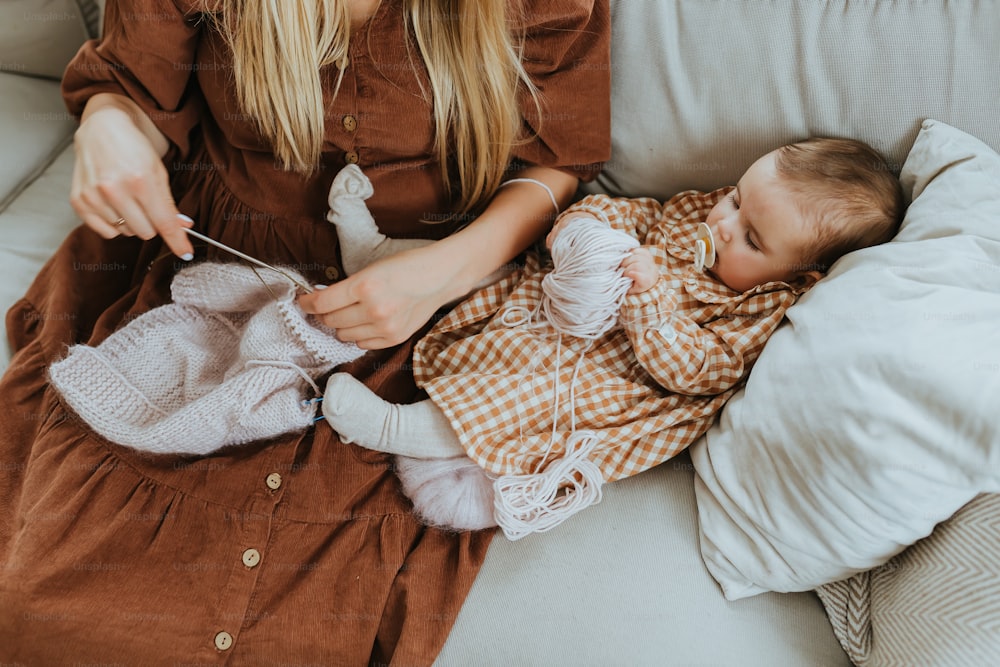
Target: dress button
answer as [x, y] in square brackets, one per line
[351, 157]
[350, 123]
[251, 557]
[273, 481]
[668, 332]
[332, 273]
[223, 641]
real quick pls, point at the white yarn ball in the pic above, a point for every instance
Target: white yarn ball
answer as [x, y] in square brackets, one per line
[584, 290]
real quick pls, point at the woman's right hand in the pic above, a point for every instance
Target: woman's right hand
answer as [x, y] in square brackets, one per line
[120, 185]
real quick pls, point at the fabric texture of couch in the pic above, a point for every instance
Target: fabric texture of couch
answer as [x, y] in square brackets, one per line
[699, 91]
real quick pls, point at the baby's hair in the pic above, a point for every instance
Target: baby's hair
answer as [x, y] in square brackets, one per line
[860, 202]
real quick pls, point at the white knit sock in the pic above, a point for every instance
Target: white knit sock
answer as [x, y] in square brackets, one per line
[419, 430]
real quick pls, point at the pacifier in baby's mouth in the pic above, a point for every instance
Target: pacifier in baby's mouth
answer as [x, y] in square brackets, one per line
[704, 248]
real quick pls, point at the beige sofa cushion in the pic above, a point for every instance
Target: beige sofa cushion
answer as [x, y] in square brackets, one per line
[32, 227]
[702, 89]
[37, 40]
[38, 37]
[34, 128]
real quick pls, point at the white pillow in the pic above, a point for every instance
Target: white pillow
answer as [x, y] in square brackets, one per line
[872, 414]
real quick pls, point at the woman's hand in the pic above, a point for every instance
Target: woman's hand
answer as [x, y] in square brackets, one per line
[119, 184]
[386, 302]
[640, 266]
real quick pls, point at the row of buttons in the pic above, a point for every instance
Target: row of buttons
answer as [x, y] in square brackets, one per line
[350, 124]
[250, 558]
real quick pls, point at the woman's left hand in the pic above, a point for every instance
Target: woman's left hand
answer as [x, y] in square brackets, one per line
[386, 302]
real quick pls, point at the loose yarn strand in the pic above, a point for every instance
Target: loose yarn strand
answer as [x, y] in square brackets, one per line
[277, 363]
[581, 297]
[525, 504]
[556, 391]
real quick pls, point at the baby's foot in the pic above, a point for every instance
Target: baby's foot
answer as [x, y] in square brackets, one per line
[360, 416]
[349, 183]
[354, 411]
[356, 229]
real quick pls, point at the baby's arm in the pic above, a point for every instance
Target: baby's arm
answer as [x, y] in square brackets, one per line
[695, 359]
[633, 216]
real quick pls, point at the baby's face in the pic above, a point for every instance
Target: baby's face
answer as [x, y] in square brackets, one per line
[759, 230]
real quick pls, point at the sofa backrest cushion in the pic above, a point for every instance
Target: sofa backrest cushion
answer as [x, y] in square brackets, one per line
[38, 37]
[702, 89]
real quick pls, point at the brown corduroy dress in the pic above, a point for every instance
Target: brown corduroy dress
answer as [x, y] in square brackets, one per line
[299, 550]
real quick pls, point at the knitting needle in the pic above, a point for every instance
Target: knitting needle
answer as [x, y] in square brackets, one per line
[252, 260]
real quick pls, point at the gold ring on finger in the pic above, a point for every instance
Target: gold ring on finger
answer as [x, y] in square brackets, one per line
[119, 222]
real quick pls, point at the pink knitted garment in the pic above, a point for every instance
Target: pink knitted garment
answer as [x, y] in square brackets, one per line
[453, 494]
[228, 362]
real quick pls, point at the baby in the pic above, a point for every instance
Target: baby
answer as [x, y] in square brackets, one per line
[548, 418]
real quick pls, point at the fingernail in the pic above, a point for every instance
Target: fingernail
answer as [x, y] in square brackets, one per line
[187, 257]
[184, 217]
[319, 286]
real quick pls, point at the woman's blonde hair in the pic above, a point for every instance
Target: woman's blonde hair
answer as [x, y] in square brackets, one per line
[472, 58]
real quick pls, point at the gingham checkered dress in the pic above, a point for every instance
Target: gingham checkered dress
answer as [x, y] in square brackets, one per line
[649, 388]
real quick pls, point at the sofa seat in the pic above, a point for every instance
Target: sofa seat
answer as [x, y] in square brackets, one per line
[624, 584]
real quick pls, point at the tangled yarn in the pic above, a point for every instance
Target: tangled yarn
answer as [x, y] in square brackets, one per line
[581, 297]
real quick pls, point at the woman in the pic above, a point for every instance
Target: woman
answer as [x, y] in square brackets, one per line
[300, 548]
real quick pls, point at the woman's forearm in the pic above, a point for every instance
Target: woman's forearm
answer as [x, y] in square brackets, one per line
[102, 102]
[519, 214]
[386, 302]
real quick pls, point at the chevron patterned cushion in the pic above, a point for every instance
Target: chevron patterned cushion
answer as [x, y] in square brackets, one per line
[935, 604]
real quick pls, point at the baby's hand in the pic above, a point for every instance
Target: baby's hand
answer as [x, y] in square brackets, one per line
[640, 266]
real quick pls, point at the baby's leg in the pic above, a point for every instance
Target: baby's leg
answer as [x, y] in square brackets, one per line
[419, 430]
[361, 243]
